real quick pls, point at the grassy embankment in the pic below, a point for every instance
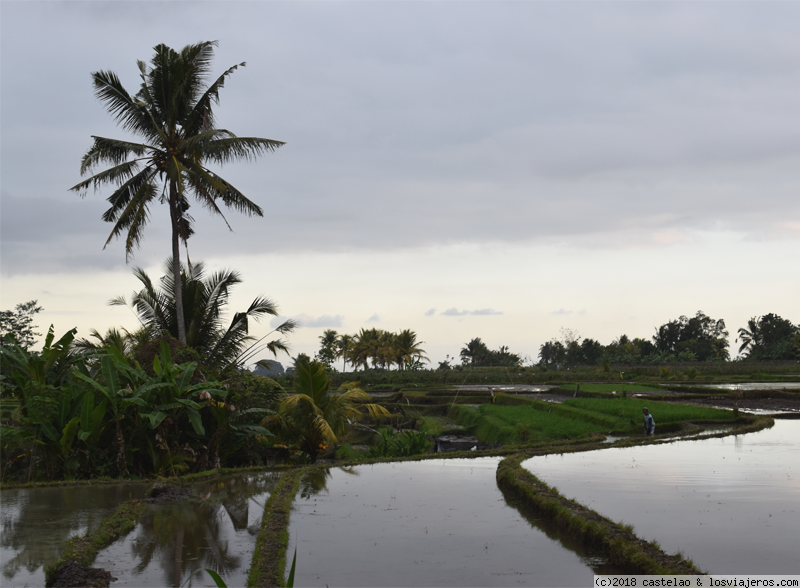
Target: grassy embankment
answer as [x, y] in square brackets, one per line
[269, 555]
[84, 549]
[616, 542]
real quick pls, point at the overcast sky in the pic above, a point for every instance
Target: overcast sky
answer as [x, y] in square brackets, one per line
[462, 169]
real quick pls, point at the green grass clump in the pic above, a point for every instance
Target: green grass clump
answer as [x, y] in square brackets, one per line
[630, 409]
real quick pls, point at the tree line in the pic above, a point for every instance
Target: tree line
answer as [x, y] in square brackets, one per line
[374, 348]
[699, 338]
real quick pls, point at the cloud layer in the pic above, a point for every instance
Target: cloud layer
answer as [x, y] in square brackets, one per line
[617, 125]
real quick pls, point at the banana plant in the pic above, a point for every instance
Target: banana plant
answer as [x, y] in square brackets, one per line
[50, 366]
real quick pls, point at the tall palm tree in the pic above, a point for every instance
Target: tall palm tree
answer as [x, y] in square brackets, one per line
[172, 113]
[206, 298]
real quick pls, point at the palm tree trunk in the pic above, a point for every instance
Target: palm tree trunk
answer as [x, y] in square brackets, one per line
[176, 261]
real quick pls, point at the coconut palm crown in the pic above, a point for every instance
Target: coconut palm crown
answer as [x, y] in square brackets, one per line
[206, 297]
[172, 113]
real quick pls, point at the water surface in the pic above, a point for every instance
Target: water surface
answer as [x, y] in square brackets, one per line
[36, 522]
[730, 504]
[215, 529]
[428, 523]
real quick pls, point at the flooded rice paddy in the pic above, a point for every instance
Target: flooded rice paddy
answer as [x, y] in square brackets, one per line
[216, 529]
[731, 504]
[36, 522]
[430, 523]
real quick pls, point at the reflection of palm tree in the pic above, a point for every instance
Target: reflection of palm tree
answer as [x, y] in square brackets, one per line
[187, 536]
[42, 520]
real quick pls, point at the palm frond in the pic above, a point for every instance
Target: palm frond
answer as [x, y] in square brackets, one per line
[232, 148]
[126, 193]
[202, 115]
[133, 219]
[129, 113]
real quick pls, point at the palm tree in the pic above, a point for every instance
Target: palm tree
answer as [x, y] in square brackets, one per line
[172, 113]
[328, 347]
[407, 348]
[205, 300]
[475, 352]
[314, 416]
[344, 348]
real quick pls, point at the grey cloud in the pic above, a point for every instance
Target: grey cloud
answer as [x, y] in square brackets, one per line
[561, 311]
[454, 312]
[374, 318]
[480, 312]
[306, 321]
[430, 312]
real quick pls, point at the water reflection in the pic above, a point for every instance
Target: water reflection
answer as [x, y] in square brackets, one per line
[430, 523]
[731, 504]
[216, 530]
[36, 522]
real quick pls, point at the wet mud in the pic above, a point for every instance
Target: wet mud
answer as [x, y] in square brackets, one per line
[74, 575]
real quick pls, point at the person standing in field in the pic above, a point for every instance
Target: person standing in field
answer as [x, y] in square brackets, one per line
[649, 423]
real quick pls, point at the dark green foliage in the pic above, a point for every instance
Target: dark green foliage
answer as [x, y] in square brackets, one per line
[770, 337]
[699, 338]
[121, 420]
[389, 443]
[219, 343]
[18, 323]
[475, 353]
[383, 349]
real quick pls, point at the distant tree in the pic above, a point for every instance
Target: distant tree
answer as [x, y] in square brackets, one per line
[474, 353]
[407, 349]
[19, 323]
[328, 351]
[768, 337]
[552, 353]
[699, 337]
[173, 114]
[591, 351]
[344, 348]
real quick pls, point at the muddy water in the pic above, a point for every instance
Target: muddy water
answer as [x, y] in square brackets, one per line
[35, 523]
[431, 523]
[730, 504]
[215, 529]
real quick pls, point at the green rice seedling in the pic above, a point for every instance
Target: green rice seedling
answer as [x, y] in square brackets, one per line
[523, 432]
[631, 408]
